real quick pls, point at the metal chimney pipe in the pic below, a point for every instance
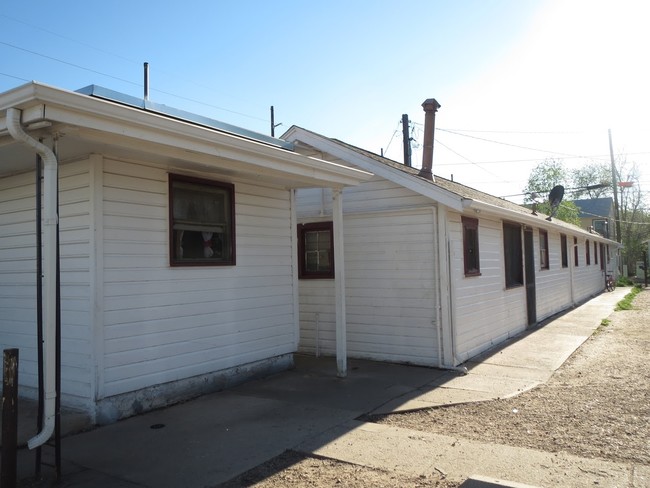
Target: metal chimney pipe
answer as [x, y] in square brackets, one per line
[146, 81]
[406, 140]
[430, 107]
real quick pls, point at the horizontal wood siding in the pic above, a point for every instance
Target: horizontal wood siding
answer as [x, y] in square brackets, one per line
[389, 265]
[163, 324]
[486, 313]
[375, 195]
[18, 280]
[552, 285]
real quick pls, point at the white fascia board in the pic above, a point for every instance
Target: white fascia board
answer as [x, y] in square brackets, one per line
[42, 102]
[329, 146]
[530, 219]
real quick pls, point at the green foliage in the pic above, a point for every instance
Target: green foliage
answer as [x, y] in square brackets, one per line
[592, 174]
[624, 281]
[568, 211]
[543, 178]
[626, 303]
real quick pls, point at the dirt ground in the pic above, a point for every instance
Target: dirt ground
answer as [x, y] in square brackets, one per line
[596, 405]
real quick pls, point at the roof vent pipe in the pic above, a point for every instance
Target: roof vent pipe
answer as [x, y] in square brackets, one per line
[430, 106]
[406, 140]
[146, 81]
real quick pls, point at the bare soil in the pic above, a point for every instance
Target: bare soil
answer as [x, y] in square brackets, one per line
[596, 405]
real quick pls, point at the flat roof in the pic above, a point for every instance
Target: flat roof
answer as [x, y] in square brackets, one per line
[160, 109]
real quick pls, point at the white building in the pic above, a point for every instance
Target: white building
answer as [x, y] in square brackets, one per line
[436, 272]
[177, 247]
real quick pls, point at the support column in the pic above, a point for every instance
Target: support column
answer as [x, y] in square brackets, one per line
[339, 285]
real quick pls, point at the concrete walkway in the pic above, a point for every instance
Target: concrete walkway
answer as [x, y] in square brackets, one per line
[216, 437]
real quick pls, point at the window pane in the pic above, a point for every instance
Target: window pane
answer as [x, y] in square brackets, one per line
[201, 223]
[471, 246]
[317, 252]
[316, 258]
[513, 255]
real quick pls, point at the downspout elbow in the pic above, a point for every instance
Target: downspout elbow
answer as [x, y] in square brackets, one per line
[50, 221]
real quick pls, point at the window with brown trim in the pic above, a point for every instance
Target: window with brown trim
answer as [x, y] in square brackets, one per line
[575, 252]
[513, 255]
[543, 249]
[470, 247]
[587, 252]
[316, 250]
[563, 250]
[595, 252]
[201, 222]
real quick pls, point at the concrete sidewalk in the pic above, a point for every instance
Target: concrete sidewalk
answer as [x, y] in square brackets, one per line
[214, 438]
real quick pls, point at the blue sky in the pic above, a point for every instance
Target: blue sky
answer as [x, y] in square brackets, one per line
[548, 75]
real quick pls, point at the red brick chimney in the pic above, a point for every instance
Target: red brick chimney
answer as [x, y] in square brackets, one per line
[430, 106]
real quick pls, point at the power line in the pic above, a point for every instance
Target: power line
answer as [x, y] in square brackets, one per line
[67, 63]
[15, 77]
[511, 145]
[74, 65]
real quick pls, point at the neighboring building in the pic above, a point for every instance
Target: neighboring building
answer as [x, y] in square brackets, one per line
[436, 272]
[177, 247]
[597, 214]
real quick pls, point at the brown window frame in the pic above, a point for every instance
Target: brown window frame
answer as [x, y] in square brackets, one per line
[587, 253]
[303, 230]
[513, 255]
[576, 261]
[543, 250]
[564, 250]
[224, 249]
[471, 256]
[595, 252]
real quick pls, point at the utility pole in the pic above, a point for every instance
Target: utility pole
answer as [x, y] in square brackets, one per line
[407, 140]
[615, 188]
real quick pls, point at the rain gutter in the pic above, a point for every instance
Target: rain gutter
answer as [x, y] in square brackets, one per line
[50, 219]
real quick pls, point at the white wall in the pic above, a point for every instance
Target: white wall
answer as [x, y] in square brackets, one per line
[389, 265]
[18, 279]
[163, 324]
[486, 313]
[130, 320]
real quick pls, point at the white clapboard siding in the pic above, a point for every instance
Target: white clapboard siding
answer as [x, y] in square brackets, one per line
[485, 312]
[18, 280]
[163, 324]
[389, 265]
[375, 195]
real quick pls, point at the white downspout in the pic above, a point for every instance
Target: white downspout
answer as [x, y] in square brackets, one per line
[50, 219]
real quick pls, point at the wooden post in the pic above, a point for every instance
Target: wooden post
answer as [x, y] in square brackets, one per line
[339, 286]
[8, 475]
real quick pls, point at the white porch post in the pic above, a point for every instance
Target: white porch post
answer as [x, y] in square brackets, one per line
[339, 284]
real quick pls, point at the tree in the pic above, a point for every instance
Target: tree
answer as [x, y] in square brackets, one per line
[633, 214]
[541, 181]
[593, 174]
[549, 173]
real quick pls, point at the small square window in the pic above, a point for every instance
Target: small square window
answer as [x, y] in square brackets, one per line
[470, 247]
[316, 250]
[201, 222]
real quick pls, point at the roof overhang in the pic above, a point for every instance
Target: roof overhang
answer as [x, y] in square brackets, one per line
[84, 124]
[538, 221]
[418, 185]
